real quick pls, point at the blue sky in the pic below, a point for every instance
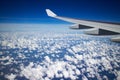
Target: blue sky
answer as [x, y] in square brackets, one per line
[33, 11]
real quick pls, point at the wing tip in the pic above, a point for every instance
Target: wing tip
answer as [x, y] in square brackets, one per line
[50, 13]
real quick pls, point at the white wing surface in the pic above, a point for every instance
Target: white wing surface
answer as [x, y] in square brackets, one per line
[95, 24]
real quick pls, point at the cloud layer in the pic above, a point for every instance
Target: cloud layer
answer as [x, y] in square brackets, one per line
[66, 55]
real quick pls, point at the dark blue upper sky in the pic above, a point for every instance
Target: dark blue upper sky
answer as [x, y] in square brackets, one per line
[33, 11]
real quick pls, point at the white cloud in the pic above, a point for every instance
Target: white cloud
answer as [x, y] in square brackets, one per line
[47, 59]
[118, 75]
[85, 51]
[84, 77]
[11, 76]
[65, 74]
[54, 69]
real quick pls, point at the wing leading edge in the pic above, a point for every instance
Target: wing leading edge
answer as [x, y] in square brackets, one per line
[98, 25]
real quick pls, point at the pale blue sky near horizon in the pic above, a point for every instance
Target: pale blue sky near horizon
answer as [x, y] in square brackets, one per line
[14, 27]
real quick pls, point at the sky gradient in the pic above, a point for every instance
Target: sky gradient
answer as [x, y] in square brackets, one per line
[33, 11]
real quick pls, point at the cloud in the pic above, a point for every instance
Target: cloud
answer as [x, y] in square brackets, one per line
[62, 55]
[11, 76]
[50, 69]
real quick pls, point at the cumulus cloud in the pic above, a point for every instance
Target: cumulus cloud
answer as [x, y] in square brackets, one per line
[11, 76]
[62, 55]
[58, 69]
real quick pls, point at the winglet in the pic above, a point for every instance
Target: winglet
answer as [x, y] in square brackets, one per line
[50, 13]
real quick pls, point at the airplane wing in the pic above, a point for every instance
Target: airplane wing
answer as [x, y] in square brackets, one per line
[99, 27]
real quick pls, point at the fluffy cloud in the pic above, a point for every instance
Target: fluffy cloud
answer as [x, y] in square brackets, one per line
[11, 76]
[62, 55]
